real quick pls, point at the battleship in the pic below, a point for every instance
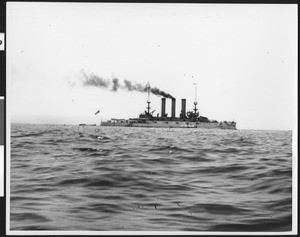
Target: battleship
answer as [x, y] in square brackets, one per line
[186, 119]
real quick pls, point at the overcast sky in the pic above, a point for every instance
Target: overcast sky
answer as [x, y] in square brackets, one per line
[242, 57]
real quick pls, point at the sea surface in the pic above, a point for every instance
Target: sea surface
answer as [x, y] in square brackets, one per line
[97, 178]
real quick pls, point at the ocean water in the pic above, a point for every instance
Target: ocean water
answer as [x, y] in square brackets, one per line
[149, 179]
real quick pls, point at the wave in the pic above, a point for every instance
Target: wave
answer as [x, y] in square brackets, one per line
[69, 178]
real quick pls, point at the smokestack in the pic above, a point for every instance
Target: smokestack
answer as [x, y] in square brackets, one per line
[183, 108]
[163, 107]
[173, 107]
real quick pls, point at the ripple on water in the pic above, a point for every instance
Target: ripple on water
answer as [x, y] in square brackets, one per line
[108, 178]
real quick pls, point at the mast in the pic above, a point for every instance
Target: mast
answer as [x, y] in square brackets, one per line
[195, 103]
[148, 101]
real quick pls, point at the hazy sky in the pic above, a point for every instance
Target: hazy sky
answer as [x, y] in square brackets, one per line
[242, 57]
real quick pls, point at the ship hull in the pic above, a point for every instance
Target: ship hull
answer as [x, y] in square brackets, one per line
[172, 124]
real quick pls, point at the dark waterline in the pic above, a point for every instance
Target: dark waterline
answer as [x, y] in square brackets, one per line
[139, 179]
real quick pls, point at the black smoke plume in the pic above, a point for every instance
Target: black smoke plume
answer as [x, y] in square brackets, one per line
[157, 91]
[134, 86]
[114, 85]
[94, 80]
